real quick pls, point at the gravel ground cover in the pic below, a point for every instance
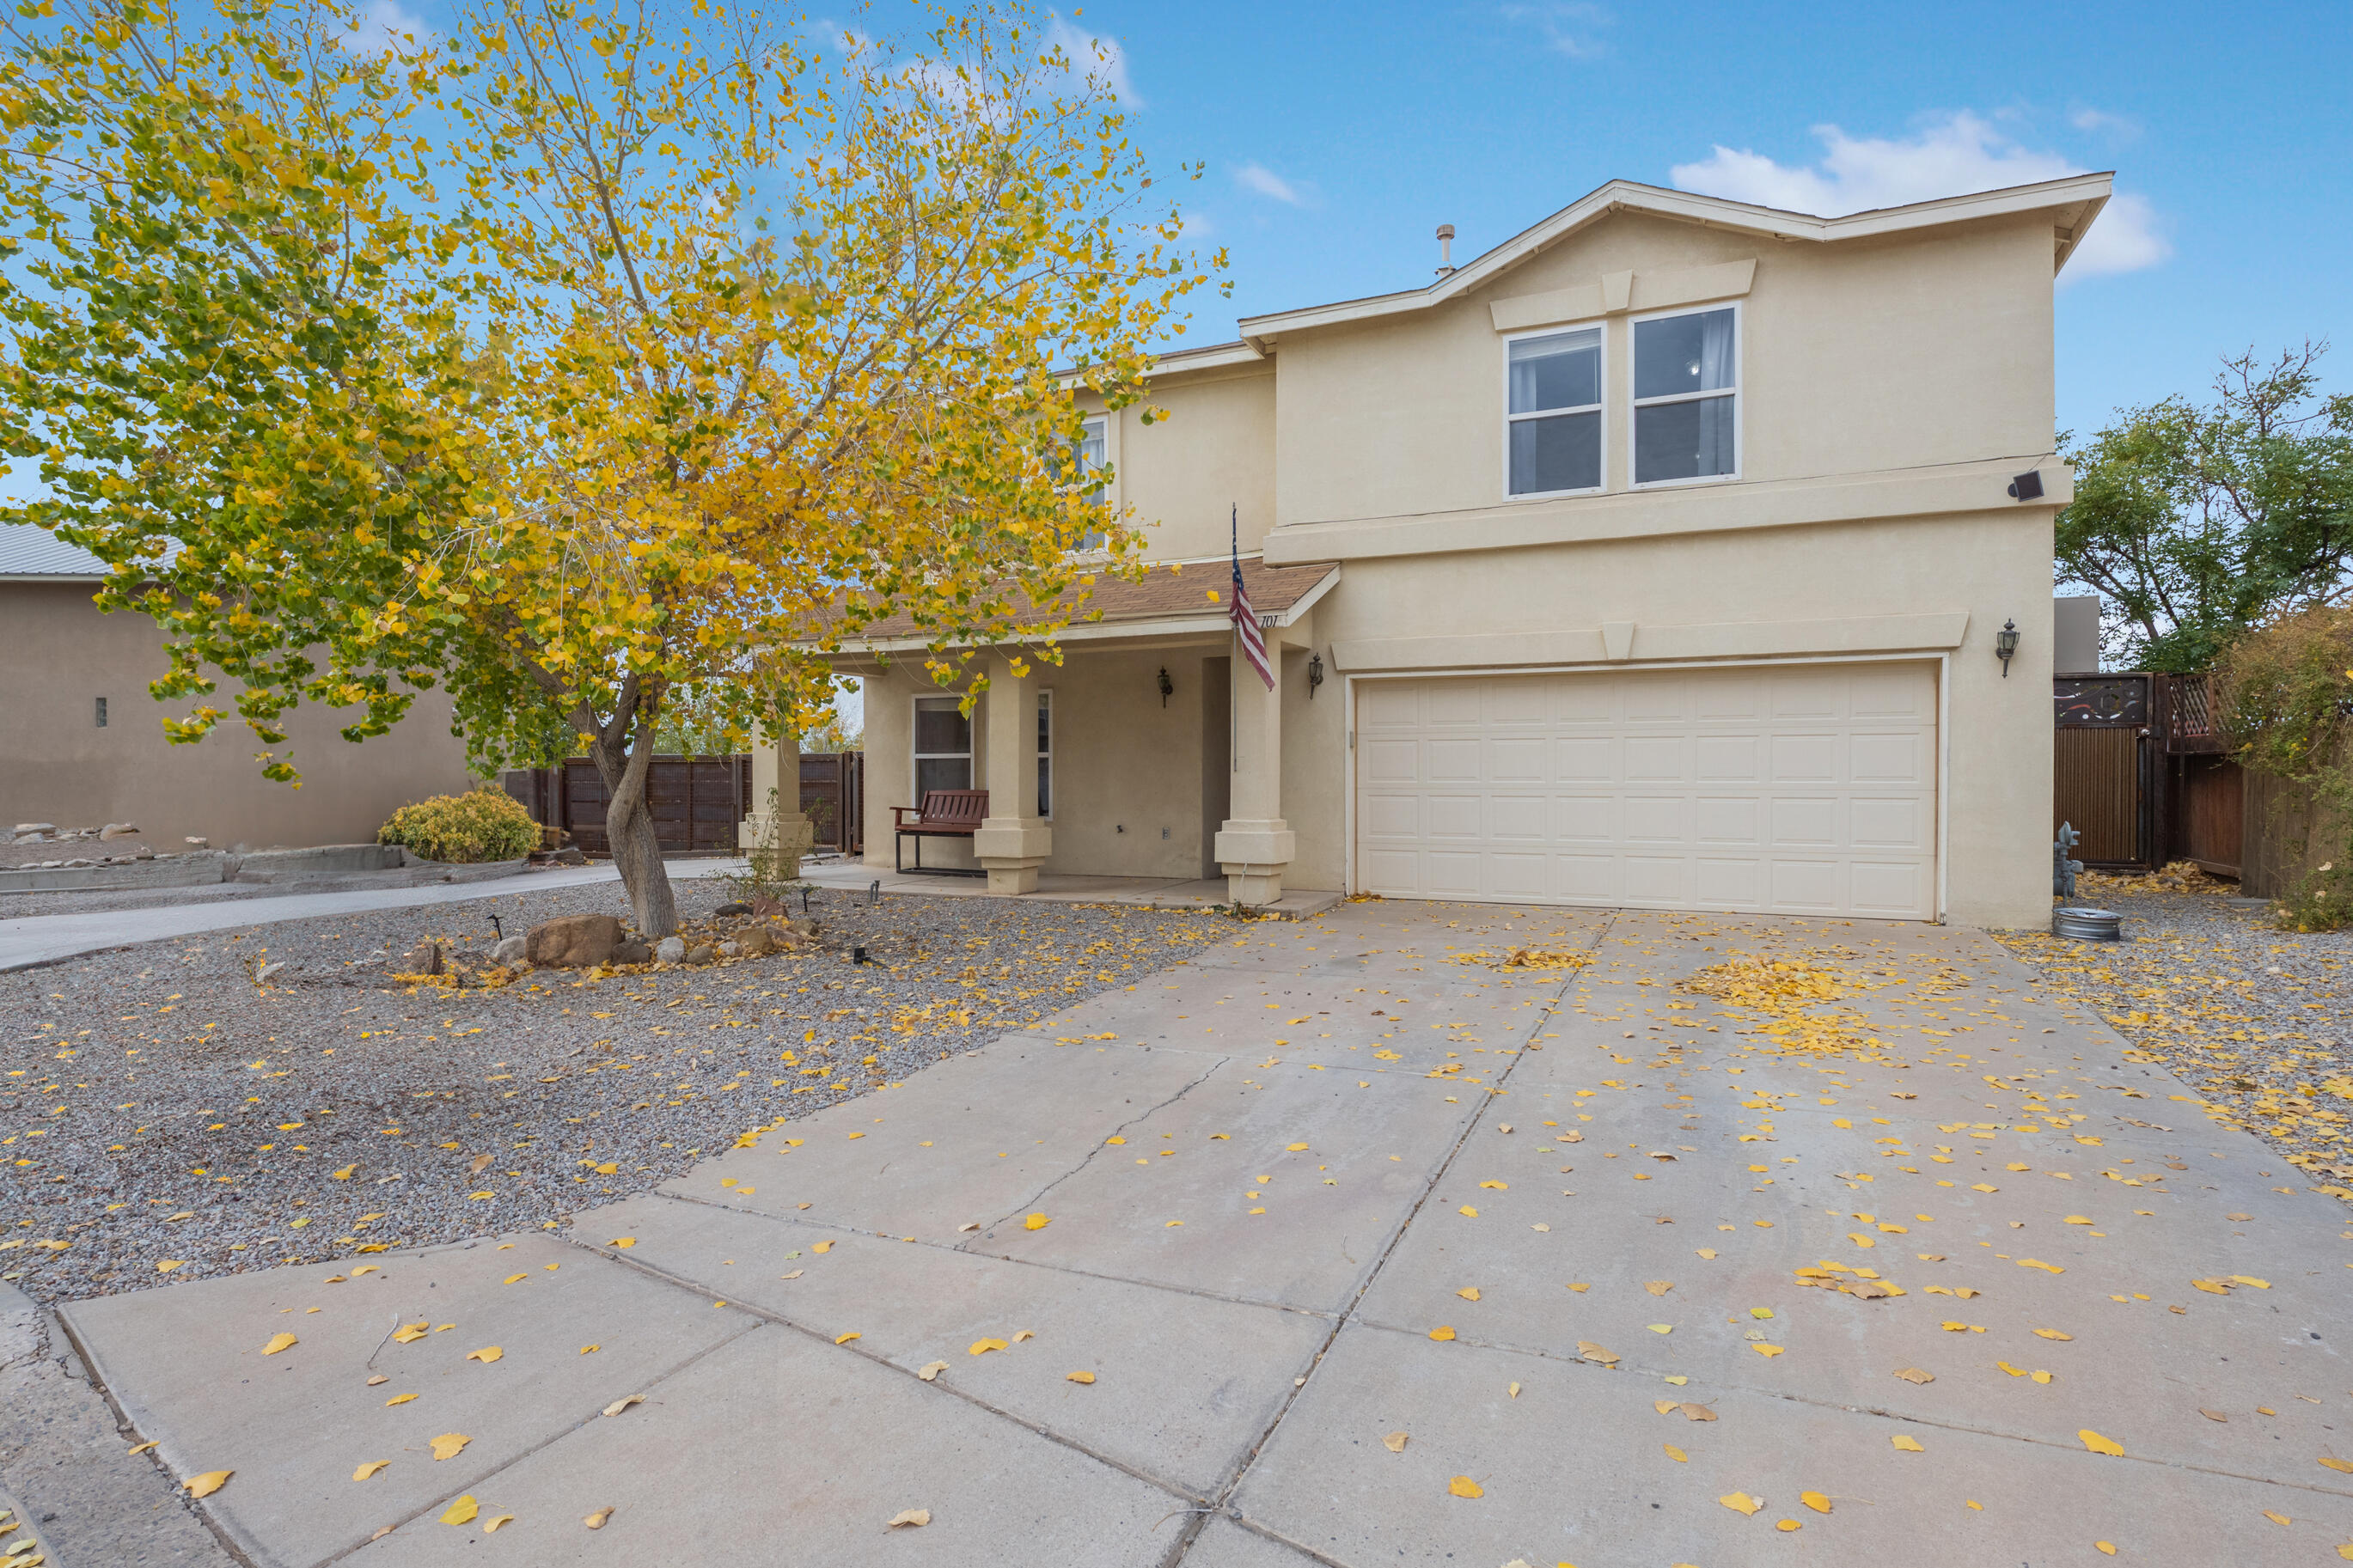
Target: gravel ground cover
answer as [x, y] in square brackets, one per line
[2258, 1021]
[164, 1117]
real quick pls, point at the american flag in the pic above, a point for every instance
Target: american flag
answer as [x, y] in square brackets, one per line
[1245, 618]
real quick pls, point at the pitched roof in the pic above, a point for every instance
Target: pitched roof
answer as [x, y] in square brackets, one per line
[1163, 594]
[28, 551]
[2077, 200]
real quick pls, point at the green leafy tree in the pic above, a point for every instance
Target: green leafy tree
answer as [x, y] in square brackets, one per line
[2197, 522]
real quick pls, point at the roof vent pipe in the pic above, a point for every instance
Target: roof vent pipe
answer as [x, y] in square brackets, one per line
[1445, 249]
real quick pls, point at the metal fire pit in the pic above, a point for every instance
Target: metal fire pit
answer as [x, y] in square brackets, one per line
[2086, 924]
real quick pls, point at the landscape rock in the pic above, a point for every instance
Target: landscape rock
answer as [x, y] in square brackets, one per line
[706, 953]
[670, 950]
[199, 843]
[737, 908]
[25, 828]
[633, 951]
[731, 950]
[513, 950]
[425, 958]
[758, 942]
[573, 942]
[118, 830]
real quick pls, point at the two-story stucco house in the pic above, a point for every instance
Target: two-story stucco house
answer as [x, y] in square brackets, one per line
[1658, 557]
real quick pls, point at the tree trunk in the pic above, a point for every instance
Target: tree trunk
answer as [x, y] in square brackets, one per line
[629, 824]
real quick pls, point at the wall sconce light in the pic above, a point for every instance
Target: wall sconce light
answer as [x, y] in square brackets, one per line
[1167, 687]
[1314, 674]
[2005, 646]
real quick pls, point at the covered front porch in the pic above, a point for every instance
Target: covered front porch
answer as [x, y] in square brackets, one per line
[1062, 888]
[1150, 765]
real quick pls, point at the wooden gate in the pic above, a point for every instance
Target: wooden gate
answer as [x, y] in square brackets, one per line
[833, 798]
[2102, 767]
[696, 801]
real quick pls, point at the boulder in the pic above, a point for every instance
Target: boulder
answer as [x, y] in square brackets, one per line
[573, 942]
[425, 958]
[758, 942]
[25, 828]
[670, 950]
[706, 953]
[513, 950]
[118, 830]
[737, 908]
[632, 952]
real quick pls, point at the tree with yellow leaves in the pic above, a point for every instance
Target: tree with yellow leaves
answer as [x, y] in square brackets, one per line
[589, 356]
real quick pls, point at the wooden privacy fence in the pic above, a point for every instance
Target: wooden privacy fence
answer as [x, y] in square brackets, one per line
[833, 798]
[696, 801]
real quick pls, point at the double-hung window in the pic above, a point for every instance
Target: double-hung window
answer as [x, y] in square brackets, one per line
[943, 745]
[1555, 412]
[1686, 390]
[1090, 457]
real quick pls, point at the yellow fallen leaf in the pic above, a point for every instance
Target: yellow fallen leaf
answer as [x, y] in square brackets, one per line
[624, 1243]
[1514, 1390]
[398, 1399]
[279, 1343]
[1442, 1334]
[1659, 1287]
[1741, 1502]
[1467, 1211]
[2279, 1519]
[1078, 1377]
[1908, 1444]
[845, 1339]
[1815, 1501]
[1395, 1442]
[597, 1521]
[371, 1468]
[590, 1350]
[1294, 1148]
[512, 1278]
[822, 1248]
[909, 1519]
[624, 1403]
[982, 1347]
[1664, 1406]
[491, 1526]
[2106, 1548]
[462, 1511]
[142, 1448]
[366, 1269]
[449, 1445]
[1036, 1222]
[486, 1355]
[1020, 1334]
[1594, 1353]
[1660, 1328]
[1677, 1454]
[2251, 1280]
[166, 1265]
[2109, 1445]
[1497, 1186]
[207, 1484]
[1767, 1351]
[2344, 1465]
[2051, 1334]
[1463, 1486]
[345, 1174]
[408, 1333]
[1469, 1292]
[931, 1370]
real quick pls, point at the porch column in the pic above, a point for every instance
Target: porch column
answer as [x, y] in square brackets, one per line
[775, 772]
[1255, 845]
[1012, 841]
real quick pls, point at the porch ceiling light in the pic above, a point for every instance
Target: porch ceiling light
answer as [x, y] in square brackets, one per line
[1167, 687]
[2005, 646]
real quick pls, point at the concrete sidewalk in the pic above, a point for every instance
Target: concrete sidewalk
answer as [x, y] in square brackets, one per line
[29, 941]
[1339, 1246]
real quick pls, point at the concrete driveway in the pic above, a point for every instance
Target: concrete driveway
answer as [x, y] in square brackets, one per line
[1342, 1245]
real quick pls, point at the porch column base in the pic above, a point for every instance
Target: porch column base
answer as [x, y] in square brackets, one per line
[1254, 855]
[1011, 849]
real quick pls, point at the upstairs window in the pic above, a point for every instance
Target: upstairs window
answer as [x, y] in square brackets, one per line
[943, 745]
[1687, 385]
[1090, 457]
[1556, 412]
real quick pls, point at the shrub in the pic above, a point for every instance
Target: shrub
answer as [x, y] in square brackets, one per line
[2284, 695]
[485, 824]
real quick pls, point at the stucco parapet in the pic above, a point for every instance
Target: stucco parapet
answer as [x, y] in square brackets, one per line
[1948, 490]
[1644, 642]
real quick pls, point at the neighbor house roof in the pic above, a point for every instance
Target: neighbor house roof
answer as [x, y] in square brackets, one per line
[1165, 599]
[2075, 201]
[29, 553]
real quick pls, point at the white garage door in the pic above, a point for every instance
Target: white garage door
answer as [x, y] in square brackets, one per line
[1799, 789]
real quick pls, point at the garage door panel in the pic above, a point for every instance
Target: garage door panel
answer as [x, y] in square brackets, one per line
[1801, 789]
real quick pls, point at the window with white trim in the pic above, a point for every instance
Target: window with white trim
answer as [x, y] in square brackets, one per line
[1092, 456]
[1686, 393]
[1046, 755]
[943, 745]
[1555, 412]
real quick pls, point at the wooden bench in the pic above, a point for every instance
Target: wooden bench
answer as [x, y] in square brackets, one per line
[945, 813]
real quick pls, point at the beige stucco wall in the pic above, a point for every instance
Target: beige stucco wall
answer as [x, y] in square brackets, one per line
[56, 765]
[1210, 447]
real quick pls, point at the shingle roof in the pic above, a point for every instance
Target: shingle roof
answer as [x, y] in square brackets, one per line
[1162, 593]
[27, 551]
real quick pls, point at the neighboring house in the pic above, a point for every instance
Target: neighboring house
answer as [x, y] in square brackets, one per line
[1656, 558]
[84, 741]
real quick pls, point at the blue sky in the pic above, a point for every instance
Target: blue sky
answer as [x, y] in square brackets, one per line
[1338, 139]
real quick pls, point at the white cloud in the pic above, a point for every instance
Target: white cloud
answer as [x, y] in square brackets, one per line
[2099, 121]
[1571, 29]
[1257, 177]
[385, 27]
[1093, 58]
[1950, 156]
